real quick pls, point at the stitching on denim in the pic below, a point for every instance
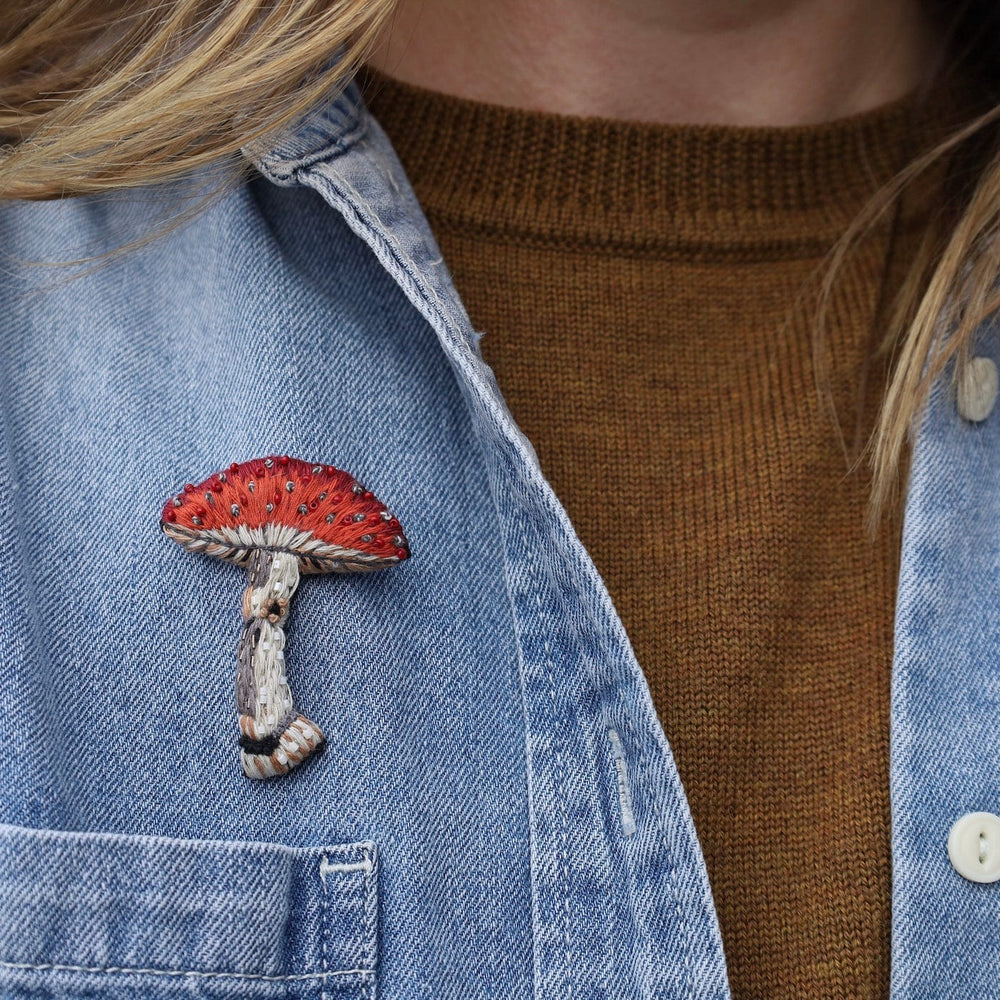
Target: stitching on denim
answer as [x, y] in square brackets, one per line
[122, 970]
[559, 544]
[341, 191]
[645, 777]
[560, 777]
[349, 866]
[323, 931]
[662, 831]
[280, 169]
[621, 775]
[253, 848]
[371, 914]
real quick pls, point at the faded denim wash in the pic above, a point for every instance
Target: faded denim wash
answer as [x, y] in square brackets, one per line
[497, 814]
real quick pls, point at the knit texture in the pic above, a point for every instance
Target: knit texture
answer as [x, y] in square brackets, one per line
[647, 297]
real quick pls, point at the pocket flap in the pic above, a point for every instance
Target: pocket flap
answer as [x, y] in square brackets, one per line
[235, 918]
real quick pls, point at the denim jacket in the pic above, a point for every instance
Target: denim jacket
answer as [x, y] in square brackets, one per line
[497, 813]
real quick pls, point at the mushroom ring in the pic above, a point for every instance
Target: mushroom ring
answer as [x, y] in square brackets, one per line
[280, 517]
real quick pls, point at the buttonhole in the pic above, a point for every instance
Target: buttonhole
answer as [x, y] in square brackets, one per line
[624, 791]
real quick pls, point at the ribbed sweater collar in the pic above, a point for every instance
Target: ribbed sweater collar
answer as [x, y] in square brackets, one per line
[542, 177]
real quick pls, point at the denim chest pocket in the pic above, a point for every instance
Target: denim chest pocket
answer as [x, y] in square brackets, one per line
[111, 915]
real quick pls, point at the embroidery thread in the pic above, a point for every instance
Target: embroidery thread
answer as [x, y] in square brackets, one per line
[280, 517]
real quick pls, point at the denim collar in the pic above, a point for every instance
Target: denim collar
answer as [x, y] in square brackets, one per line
[341, 151]
[329, 129]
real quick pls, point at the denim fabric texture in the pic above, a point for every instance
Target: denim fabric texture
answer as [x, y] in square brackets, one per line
[497, 813]
[945, 722]
[231, 919]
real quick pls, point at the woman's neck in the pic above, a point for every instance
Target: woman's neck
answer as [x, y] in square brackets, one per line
[730, 62]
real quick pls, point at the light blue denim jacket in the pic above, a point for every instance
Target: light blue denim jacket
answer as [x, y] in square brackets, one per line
[497, 813]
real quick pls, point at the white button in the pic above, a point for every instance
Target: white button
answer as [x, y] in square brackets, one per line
[974, 847]
[977, 389]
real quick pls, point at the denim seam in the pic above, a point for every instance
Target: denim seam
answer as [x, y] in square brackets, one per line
[193, 973]
[362, 209]
[561, 546]
[226, 848]
[370, 925]
[560, 777]
[662, 831]
[528, 778]
[323, 930]
[284, 171]
[565, 547]
[583, 640]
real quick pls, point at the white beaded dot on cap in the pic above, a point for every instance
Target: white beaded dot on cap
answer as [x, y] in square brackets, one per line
[978, 384]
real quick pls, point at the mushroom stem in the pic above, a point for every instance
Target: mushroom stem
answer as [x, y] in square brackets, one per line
[274, 737]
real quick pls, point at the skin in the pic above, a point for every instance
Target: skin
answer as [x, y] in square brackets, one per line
[727, 62]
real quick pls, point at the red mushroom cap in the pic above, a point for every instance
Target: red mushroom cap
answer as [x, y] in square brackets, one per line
[321, 514]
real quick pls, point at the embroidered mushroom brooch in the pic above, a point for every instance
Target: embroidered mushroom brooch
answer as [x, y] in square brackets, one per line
[280, 517]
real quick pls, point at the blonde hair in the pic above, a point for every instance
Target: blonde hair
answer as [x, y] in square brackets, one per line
[96, 95]
[948, 289]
